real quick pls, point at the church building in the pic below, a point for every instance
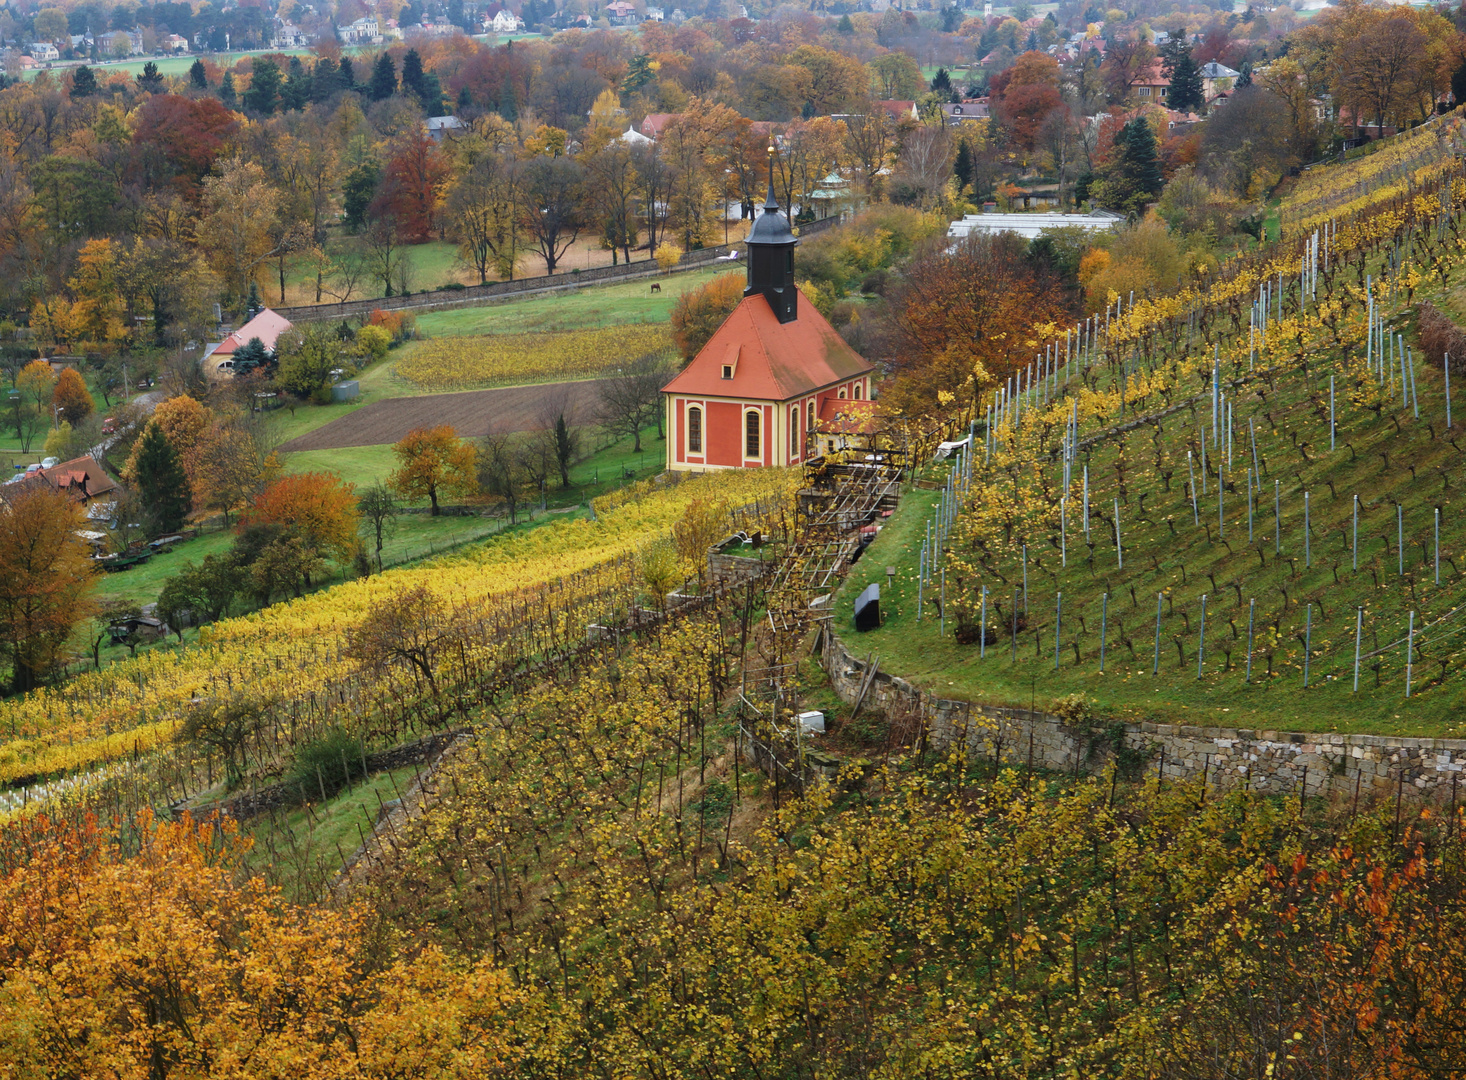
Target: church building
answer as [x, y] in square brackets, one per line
[770, 374]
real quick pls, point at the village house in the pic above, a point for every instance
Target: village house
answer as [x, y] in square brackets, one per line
[504, 22]
[770, 377]
[44, 52]
[267, 326]
[364, 31]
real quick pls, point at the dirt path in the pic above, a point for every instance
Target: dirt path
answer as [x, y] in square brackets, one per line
[473, 413]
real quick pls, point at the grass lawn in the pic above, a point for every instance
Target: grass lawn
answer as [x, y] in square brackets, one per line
[141, 584]
[297, 844]
[581, 309]
[600, 471]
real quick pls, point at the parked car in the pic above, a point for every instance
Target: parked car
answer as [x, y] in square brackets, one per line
[109, 426]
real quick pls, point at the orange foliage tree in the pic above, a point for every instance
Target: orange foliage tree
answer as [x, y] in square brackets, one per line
[72, 397]
[46, 582]
[318, 506]
[434, 462]
[183, 422]
[964, 321]
[412, 185]
[164, 965]
[699, 312]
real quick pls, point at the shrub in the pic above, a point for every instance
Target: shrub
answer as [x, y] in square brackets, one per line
[1439, 335]
[400, 324]
[331, 762]
[374, 341]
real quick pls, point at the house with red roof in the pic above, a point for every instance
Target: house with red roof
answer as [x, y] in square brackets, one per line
[267, 326]
[653, 123]
[772, 373]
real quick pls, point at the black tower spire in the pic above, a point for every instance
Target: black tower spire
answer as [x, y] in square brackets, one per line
[771, 257]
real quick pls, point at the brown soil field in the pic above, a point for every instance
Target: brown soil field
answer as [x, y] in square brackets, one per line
[473, 413]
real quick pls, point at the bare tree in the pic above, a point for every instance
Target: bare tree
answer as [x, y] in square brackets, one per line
[926, 163]
[633, 399]
[410, 629]
[557, 420]
[551, 210]
[483, 216]
[378, 508]
[383, 251]
[501, 470]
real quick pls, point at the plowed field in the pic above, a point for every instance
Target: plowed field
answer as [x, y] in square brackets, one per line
[473, 413]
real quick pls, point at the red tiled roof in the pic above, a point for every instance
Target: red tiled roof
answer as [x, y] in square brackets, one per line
[80, 475]
[267, 326]
[772, 361]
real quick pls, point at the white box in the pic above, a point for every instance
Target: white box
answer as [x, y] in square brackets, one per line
[811, 723]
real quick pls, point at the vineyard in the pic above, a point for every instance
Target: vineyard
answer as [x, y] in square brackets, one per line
[524, 595]
[1235, 507]
[613, 850]
[469, 363]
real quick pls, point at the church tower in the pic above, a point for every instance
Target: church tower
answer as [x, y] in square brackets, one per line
[771, 259]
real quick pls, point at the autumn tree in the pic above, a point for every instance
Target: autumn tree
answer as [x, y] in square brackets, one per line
[1127, 62]
[963, 320]
[434, 462]
[411, 629]
[699, 312]
[319, 507]
[185, 135]
[182, 420]
[240, 209]
[614, 192]
[161, 958]
[412, 185]
[72, 397]
[46, 582]
[32, 408]
[233, 462]
[482, 214]
[894, 76]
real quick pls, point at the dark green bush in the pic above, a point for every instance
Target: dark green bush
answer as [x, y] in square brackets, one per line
[334, 761]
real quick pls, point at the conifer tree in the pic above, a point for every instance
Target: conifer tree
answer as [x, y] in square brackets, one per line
[227, 96]
[83, 82]
[161, 482]
[384, 79]
[197, 77]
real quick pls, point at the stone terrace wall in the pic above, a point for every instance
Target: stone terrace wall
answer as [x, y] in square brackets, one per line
[1273, 761]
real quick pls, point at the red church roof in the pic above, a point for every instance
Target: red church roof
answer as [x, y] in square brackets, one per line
[771, 361]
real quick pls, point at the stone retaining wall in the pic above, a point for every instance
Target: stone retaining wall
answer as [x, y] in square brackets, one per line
[1275, 761]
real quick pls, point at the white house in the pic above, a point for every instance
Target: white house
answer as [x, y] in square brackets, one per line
[505, 22]
[365, 30]
[288, 36]
[45, 52]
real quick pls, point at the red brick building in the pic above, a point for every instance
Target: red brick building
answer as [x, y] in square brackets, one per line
[764, 380]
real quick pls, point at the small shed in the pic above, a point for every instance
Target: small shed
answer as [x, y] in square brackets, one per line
[346, 391]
